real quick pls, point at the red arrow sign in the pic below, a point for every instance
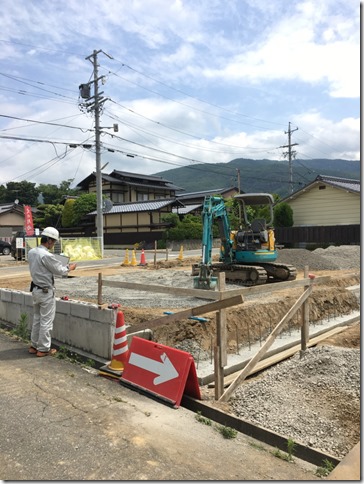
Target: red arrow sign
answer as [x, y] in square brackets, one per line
[161, 370]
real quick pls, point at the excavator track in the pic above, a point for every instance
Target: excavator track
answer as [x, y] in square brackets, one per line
[280, 272]
[249, 275]
[245, 275]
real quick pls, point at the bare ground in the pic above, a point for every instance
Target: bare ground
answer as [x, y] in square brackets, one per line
[251, 320]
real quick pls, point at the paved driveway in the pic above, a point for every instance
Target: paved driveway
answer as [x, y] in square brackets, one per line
[61, 422]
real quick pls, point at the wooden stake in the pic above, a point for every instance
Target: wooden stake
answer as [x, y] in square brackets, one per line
[305, 315]
[220, 348]
[99, 289]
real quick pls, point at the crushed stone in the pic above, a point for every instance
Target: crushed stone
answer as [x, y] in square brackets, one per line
[314, 400]
[332, 258]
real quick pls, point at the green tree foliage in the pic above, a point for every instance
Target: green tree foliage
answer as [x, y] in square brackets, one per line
[2, 193]
[54, 194]
[48, 215]
[283, 215]
[83, 204]
[172, 219]
[67, 214]
[188, 228]
[24, 191]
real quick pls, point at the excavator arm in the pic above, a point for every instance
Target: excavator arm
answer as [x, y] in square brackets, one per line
[213, 209]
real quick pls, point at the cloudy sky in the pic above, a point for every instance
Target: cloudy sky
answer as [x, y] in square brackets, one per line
[187, 81]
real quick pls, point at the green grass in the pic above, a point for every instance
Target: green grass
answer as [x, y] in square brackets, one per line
[21, 330]
[227, 432]
[202, 419]
[325, 469]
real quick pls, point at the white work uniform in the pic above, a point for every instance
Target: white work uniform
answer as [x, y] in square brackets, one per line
[43, 267]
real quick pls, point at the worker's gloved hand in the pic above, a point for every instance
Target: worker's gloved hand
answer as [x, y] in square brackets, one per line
[72, 267]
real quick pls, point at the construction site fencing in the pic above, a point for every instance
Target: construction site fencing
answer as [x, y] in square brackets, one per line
[76, 248]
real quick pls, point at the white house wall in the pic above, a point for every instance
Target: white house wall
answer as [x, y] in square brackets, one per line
[328, 206]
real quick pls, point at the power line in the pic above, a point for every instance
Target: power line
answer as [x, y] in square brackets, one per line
[40, 122]
[189, 95]
[158, 123]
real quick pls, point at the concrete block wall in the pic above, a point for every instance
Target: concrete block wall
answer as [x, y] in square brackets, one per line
[79, 324]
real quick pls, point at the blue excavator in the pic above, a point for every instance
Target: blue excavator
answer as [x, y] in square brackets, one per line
[247, 256]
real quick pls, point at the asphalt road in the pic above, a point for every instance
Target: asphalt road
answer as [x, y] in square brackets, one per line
[111, 257]
[60, 421]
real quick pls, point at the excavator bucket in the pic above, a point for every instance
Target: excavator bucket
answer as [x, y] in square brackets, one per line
[204, 280]
[209, 283]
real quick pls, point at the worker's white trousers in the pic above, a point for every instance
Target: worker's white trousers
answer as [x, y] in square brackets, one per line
[44, 305]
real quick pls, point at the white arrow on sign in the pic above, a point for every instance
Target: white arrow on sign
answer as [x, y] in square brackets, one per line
[164, 369]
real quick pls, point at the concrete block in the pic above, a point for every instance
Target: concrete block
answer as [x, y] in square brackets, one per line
[63, 307]
[80, 310]
[102, 315]
[146, 334]
[6, 295]
[13, 313]
[28, 299]
[87, 335]
[3, 309]
[17, 297]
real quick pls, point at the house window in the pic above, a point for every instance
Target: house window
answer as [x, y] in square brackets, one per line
[118, 197]
[142, 197]
[322, 187]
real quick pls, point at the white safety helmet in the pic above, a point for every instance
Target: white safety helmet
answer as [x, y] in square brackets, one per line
[50, 232]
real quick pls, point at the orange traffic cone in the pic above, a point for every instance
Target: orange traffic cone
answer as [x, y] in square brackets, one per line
[120, 350]
[143, 262]
[133, 259]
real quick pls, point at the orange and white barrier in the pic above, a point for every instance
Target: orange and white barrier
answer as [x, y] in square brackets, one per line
[120, 350]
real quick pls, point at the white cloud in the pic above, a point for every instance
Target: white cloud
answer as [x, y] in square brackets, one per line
[297, 48]
[265, 60]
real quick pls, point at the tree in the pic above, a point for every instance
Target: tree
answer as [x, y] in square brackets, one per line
[68, 213]
[283, 215]
[83, 204]
[2, 193]
[48, 215]
[24, 191]
[54, 194]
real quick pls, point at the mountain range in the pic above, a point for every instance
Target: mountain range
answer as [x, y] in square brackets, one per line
[267, 176]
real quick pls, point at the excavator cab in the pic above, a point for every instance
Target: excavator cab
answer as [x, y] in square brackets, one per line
[259, 234]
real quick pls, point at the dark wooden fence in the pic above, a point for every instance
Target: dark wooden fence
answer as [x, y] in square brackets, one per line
[320, 236]
[311, 236]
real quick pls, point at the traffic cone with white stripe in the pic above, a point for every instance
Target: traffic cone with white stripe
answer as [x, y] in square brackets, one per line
[120, 350]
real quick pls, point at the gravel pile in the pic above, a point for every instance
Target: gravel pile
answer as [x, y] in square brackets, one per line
[313, 400]
[330, 259]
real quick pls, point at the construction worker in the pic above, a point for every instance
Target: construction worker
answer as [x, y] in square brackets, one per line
[43, 266]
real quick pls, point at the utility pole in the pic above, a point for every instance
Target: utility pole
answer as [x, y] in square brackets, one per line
[291, 154]
[239, 204]
[94, 103]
